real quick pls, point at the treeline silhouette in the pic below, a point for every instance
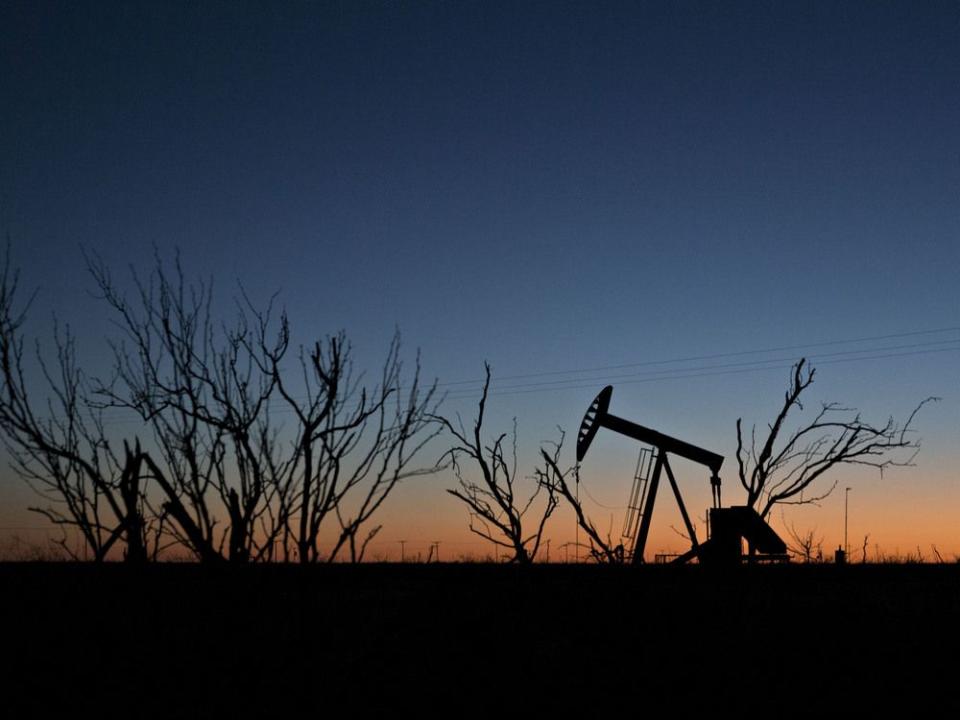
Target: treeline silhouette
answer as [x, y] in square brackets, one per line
[219, 478]
[248, 448]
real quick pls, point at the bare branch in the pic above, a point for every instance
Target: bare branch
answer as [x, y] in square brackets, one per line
[492, 500]
[791, 462]
[556, 481]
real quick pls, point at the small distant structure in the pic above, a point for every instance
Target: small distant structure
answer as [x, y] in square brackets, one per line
[729, 527]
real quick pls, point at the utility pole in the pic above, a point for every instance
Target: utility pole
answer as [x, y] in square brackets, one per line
[403, 544]
[436, 547]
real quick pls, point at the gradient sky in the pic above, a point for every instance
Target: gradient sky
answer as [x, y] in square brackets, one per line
[548, 186]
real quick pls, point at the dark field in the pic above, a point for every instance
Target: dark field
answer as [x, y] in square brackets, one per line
[181, 640]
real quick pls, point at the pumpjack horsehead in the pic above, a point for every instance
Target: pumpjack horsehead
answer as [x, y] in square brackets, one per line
[728, 527]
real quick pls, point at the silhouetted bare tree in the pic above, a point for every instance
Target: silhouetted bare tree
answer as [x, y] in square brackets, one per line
[59, 444]
[782, 469]
[550, 476]
[353, 445]
[805, 543]
[220, 475]
[204, 391]
[497, 514]
[208, 396]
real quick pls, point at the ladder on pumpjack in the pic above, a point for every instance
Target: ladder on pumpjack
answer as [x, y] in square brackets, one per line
[638, 496]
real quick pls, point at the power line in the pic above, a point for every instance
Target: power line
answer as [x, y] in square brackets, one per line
[759, 365]
[583, 487]
[826, 343]
[670, 371]
[593, 383]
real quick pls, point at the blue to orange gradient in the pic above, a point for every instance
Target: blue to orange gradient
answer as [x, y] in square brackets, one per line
[573, 192]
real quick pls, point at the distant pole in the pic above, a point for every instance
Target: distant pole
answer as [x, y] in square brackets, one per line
[436, 545]
[403, 544]
[846, 513]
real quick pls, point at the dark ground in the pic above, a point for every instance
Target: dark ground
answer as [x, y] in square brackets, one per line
[185, 641]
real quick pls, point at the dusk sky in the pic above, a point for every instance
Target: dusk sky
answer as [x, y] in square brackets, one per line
[679, 199]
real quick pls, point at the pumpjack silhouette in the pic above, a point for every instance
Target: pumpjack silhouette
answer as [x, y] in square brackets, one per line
[728, 527]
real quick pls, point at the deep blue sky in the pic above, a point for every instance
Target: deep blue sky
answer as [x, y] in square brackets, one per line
[549, 186]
